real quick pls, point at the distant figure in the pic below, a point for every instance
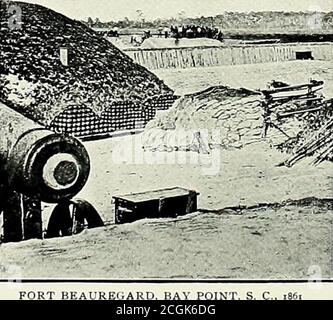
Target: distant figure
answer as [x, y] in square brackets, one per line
[146, 34]
[209, 33]
[194, 31]
[189, 33]
[277, 84]
[199, 30]
[176, 33]
[160, 32]
[184, 31]
[166, 32]
[137, 40]
[220, 36]
[116, 32]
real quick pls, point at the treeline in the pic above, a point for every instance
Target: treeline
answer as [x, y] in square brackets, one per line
[253, 21]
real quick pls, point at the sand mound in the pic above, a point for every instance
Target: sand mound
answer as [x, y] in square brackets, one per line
[35, 82]
[225, 118]
[219, 117]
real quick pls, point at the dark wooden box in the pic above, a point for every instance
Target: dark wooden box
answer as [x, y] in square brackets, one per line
[155, 204]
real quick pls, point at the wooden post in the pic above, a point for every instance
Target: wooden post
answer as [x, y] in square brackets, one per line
[64, 56]
[32, 218]
[12, 217]
[22, 217]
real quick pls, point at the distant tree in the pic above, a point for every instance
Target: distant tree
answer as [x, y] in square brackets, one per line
[97, 23]
[141, 17]
[181, 15]
[90, 22]
[139, 14]
[126, 22]
[232, 21]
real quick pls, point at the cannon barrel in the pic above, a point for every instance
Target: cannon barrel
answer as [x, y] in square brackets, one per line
[38, 162]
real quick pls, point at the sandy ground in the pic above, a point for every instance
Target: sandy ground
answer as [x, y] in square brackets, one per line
[284, 244]
[224, 179]
[213, 243]
[266, 242]
[251, 76]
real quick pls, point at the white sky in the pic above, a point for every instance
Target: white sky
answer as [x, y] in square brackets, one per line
[117, 9]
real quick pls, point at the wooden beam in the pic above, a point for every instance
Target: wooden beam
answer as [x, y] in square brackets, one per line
[22, 217]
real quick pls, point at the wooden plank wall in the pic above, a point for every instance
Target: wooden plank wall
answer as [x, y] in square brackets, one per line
[232, 55]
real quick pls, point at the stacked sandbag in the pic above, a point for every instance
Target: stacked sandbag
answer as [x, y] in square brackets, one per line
[219, 117]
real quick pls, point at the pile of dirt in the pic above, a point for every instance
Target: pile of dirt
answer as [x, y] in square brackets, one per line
[34, 81]
[219, 117]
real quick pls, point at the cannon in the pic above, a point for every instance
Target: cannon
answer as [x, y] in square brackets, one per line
[36, 165]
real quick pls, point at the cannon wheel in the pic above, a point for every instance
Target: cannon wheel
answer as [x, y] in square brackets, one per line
[71, 217]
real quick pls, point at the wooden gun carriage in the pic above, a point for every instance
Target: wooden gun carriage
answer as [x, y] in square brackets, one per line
[37, 165]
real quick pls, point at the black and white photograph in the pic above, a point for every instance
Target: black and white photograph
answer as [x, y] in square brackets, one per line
[166, 140]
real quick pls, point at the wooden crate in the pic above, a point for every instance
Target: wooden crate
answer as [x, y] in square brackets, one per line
[162, 203]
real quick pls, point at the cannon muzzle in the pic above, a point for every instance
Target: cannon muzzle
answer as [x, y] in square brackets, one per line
[48, 166]
[38, 162]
